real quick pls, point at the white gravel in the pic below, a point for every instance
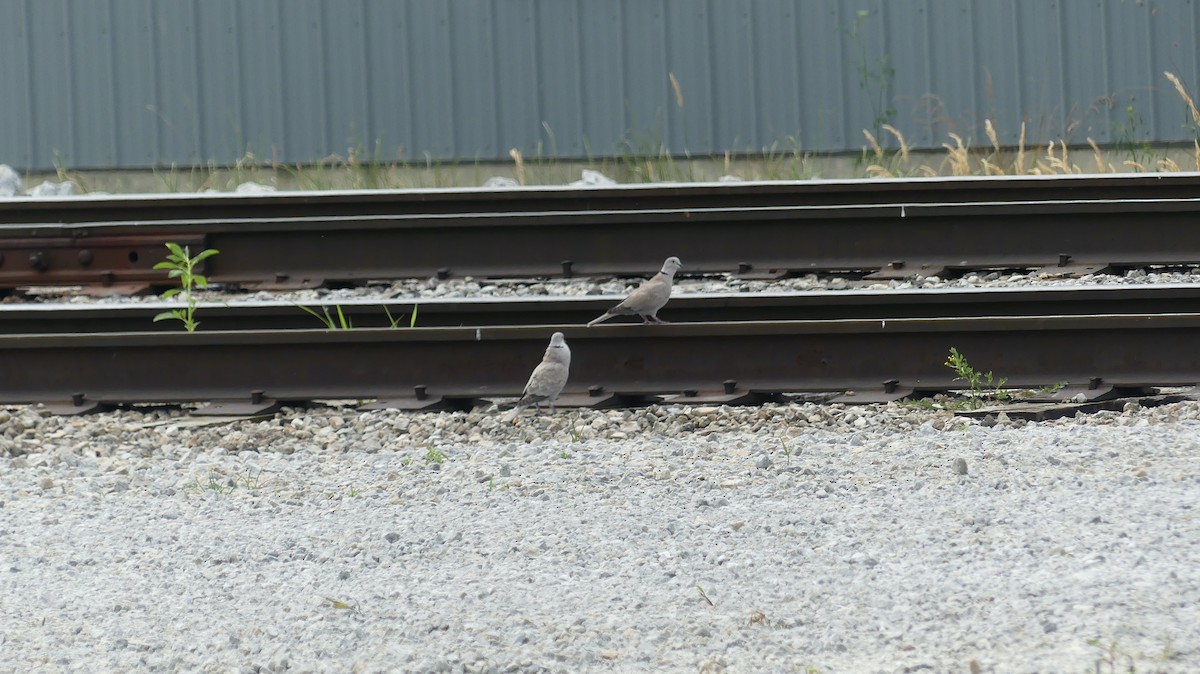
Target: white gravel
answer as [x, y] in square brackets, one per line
[788, 538]
[718, 283]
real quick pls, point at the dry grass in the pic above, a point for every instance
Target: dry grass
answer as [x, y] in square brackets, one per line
[1191, 105]
[648, 159]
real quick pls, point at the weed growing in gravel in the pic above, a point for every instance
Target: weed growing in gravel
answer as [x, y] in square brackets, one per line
[393, 322]
[224, 485]
[181, 265]
[704, 595]
[1111, 656]
[981, 384]
[342, 606]
[787, 451]
[434, 455]
[343, 321]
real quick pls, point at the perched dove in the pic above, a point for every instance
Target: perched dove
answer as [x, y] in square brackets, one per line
[548, 378]
[648, 298]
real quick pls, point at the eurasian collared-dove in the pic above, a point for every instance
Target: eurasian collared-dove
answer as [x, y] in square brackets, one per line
[648, 298]
[548, 377]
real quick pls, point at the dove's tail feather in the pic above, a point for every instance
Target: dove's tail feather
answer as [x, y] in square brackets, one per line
[511, 415]
[607, 315]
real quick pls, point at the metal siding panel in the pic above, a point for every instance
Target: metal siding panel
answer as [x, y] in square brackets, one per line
[560, 101]
[907, 40]
[91, 84]
[219, 72]
[51, 103]
[136, 113]
[178, 87]
[345, 72]
[733, 77]
[260, 80]
[867, 90]
[952, 91]
[998, 82]
[1130, 67]
[17, 144]
[516, 76]
[776, 72]
[602, 78]
[1085, 89]
[306, 136]
[689, 55]
[136, 82]
[645, 71]
[1173, 48]
[390, 77]
[823, 104]
[475, 93]
[432, 106]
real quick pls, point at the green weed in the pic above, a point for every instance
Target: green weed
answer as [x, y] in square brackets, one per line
[343, 321]
[393, 322]
[981, 385]
[181, 265]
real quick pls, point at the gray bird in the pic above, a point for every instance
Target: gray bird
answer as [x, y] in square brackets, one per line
[548, 378]
[648, 298]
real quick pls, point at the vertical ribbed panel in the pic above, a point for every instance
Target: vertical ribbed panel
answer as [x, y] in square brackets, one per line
[134, 83]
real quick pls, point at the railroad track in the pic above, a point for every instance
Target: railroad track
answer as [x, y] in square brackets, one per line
[887, 228]
[145, 207]
[737, 362]
[56, 318]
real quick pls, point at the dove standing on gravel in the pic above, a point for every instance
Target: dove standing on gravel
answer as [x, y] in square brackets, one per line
[548, 378]
[648, 298]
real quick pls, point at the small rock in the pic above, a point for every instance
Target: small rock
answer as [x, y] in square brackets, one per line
[960, 466]
[500, 181]
[593, 179]
[764, 463]
[392, 537]
[51, 189]
[46, 483]
[10, 181]
[253, 188]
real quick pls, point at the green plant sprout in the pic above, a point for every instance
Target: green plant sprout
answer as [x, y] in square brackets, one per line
[980, 384]
[393, 322]
[343, 321]
[181, 265]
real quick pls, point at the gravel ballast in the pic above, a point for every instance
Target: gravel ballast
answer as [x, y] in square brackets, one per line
[424, 289]
[795, 537]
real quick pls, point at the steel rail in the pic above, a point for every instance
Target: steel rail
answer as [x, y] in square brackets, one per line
[46, 318]
[720, 362]
[87, 208]
[901, 239]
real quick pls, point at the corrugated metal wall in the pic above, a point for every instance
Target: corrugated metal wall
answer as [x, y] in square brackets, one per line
[133, 83]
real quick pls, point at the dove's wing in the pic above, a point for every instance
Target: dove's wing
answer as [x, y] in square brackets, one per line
[649, 298]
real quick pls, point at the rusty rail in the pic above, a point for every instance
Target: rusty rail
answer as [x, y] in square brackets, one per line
[752, 229]
[894, 239]
[875, 359]
[147, 207]
[47, 318]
